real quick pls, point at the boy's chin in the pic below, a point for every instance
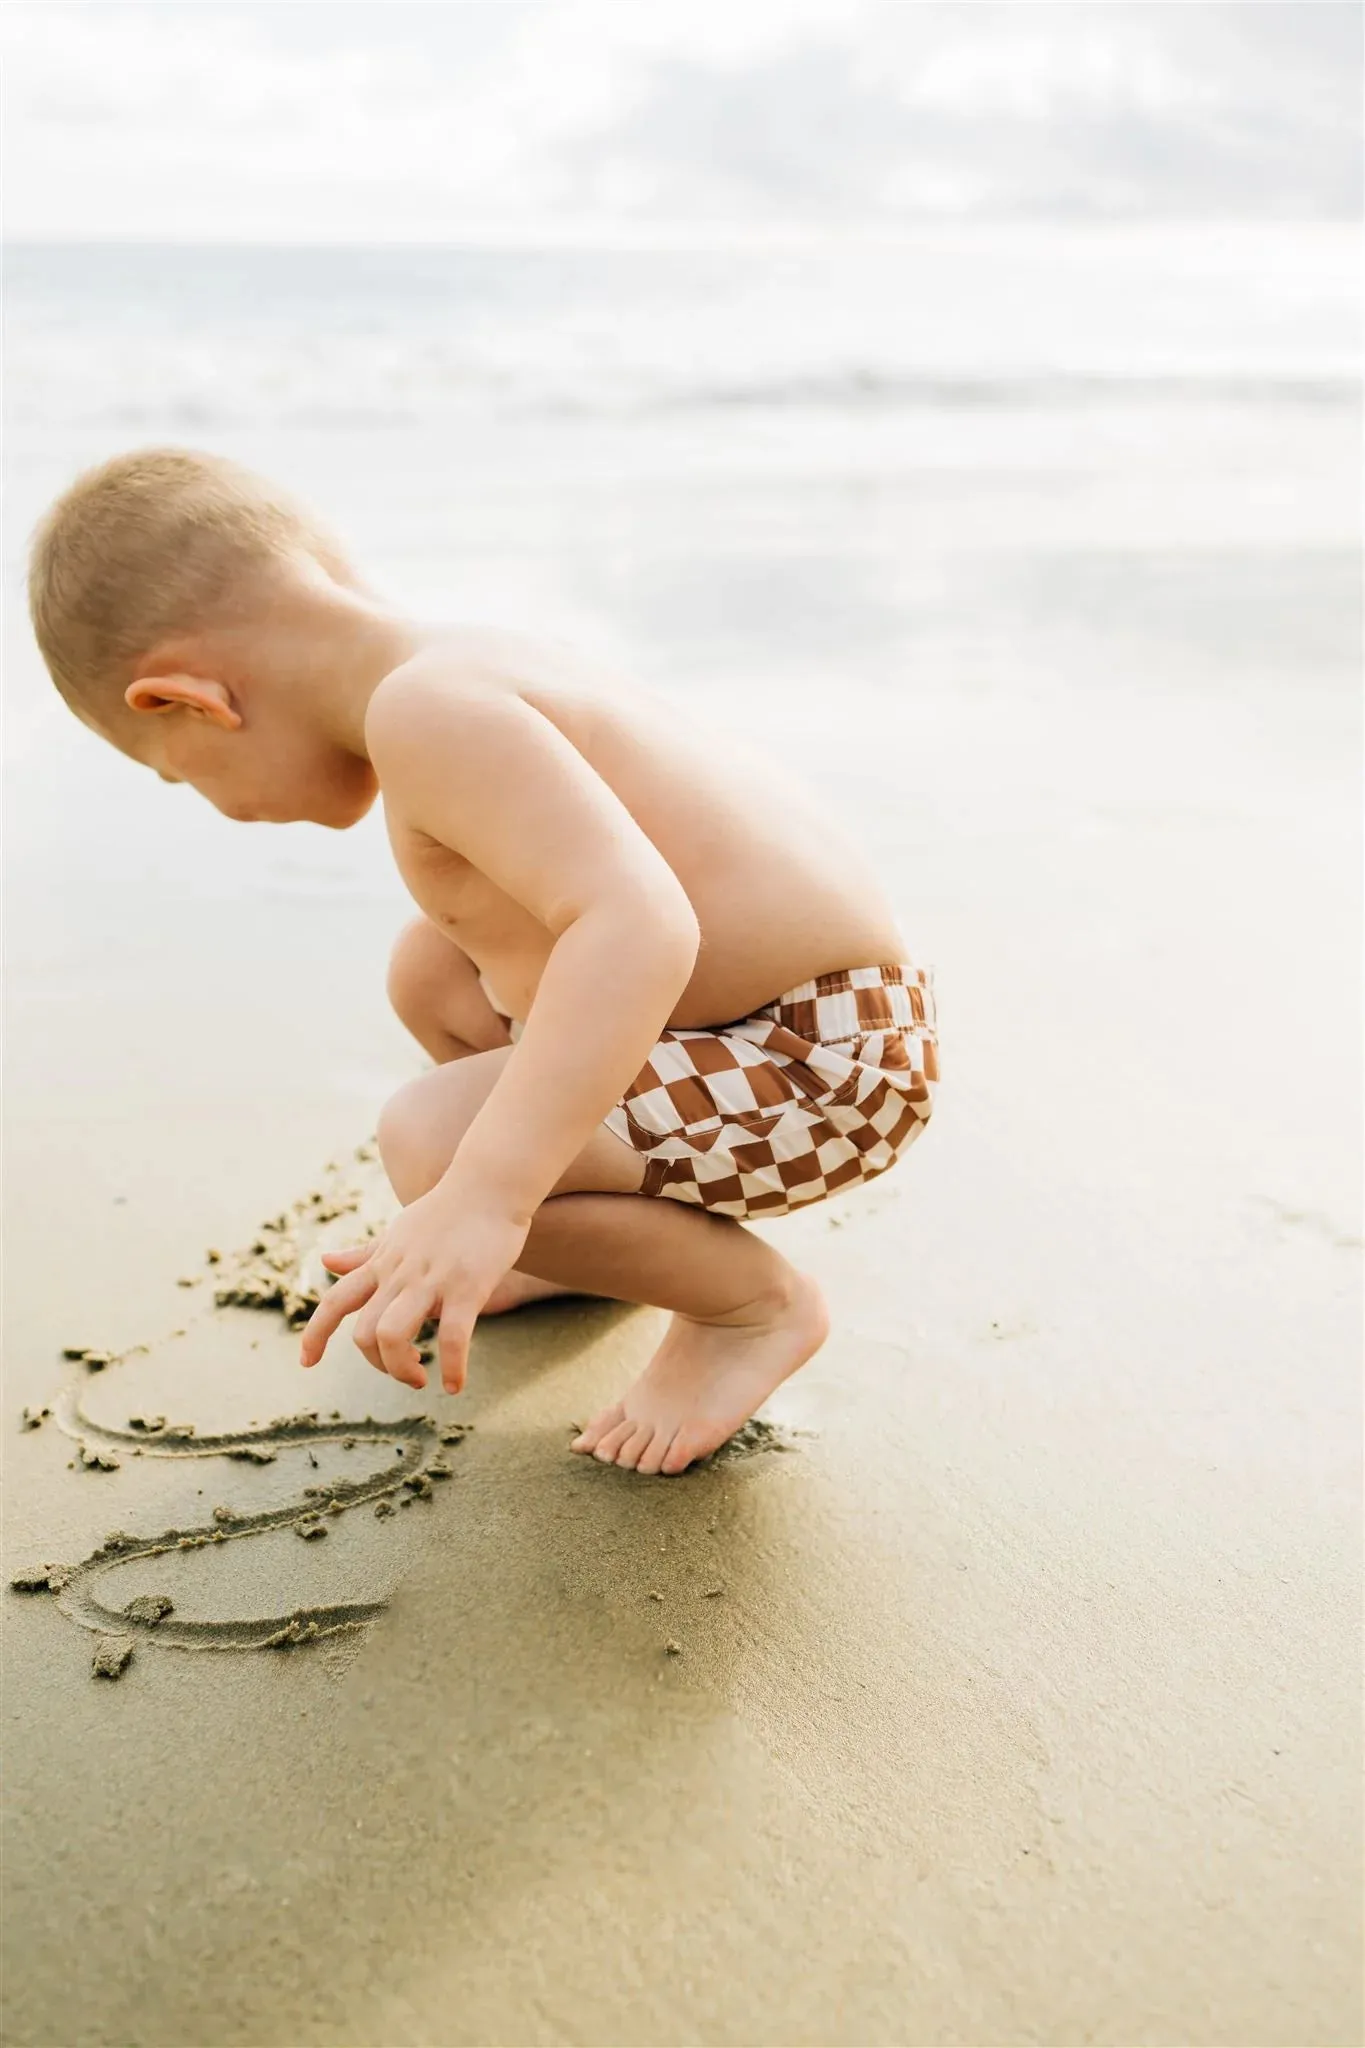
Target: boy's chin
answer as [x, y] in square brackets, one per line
[336, 808]
[344, 811]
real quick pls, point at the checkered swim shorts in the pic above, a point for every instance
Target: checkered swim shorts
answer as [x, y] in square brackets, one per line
[822, 1088]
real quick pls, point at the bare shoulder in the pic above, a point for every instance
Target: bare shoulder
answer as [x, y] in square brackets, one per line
[429, 695]
[471, 668]
[471, 691]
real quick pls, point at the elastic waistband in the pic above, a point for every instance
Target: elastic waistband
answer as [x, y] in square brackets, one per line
[856, 1001]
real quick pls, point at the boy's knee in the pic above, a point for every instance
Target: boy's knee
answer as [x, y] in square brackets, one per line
[435, 991]
[417, 974]
[405, 1140]
[421, 1125]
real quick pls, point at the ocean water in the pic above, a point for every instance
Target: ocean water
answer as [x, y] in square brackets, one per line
[141, 339]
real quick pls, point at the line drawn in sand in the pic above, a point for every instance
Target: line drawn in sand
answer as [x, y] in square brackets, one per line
[269, 1275]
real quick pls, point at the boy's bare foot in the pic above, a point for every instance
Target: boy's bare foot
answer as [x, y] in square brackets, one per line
[515, 1289]
[705, 1380]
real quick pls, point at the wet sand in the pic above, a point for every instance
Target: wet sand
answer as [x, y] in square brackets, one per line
[1009, 1693]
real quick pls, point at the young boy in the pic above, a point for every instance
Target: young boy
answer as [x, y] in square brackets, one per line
[661, 992]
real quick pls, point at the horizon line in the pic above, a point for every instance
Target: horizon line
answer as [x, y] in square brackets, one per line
[702, 234]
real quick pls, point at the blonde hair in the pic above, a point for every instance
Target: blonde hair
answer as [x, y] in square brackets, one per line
[147, 546]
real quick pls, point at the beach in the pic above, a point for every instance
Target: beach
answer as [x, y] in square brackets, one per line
[1006, 1689]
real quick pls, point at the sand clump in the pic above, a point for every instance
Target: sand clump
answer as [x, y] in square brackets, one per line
[754, 1435]
[113, 1655]
[35, 1578]
[275, 1271]
[299, 1629]
[150, 1608]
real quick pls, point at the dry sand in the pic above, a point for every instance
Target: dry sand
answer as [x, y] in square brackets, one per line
[1014, 1700]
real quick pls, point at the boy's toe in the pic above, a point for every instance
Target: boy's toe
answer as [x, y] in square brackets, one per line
[634, 1448]
[681, 1452]
[613, 1440]
[592, 1436]
[652, 1457]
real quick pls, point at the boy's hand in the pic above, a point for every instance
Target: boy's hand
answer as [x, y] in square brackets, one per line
[442, 1257]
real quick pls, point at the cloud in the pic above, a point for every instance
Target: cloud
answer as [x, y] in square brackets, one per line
[363, 121]
[1030, 109]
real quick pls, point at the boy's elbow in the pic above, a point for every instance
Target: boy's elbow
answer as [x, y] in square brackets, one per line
[673, 929]
[662, 928]
[647, 920]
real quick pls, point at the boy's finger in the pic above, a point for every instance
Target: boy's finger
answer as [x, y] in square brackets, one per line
[348, 1258]
[332, 1311]
[457, 1321]
[365, 1328]
[365, 1335]
[394, 1333]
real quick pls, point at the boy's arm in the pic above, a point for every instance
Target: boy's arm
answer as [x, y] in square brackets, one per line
[487, 775]
[482, 772]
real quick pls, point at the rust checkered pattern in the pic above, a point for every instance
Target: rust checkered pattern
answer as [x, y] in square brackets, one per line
[824, 1087]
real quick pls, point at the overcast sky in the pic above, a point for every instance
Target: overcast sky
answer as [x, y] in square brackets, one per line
[300, 120]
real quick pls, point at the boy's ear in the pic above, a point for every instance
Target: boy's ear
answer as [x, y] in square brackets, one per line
[212, 700]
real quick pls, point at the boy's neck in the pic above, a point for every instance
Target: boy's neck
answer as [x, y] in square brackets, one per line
[335, 647]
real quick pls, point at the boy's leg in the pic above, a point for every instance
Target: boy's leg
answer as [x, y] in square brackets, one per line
[743, 1318]
[436, 992]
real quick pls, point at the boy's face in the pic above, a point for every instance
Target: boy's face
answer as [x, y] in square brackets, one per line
[261, 769]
